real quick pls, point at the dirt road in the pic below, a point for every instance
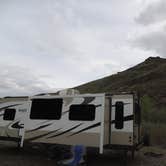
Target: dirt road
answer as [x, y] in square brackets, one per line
[35, 156]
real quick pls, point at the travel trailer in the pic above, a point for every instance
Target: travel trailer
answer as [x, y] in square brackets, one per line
[104, 121]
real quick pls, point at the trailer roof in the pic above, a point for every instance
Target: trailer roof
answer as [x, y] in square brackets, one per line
[67, 96]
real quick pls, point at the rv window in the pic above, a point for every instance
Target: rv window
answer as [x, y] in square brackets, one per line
[137, 114]
[9, 114]
[50, 109]
[82, 112]
[119, 111]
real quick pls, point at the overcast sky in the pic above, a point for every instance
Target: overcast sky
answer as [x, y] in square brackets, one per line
[50, 44]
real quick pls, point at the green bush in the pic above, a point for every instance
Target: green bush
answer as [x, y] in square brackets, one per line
[156, 132]
[149, 111]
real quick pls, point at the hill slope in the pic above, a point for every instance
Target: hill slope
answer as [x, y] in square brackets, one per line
[148, 78]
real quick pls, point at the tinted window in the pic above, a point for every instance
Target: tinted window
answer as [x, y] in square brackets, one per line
[46, 109]
[9, 114]
[137, 114]
[82, 112]
[119, 111]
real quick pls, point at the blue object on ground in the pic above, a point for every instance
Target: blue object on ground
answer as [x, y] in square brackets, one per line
[78, 152]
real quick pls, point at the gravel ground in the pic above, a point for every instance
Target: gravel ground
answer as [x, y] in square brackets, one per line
[39, 156]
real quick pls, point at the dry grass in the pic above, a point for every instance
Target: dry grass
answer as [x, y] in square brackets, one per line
[157, 133]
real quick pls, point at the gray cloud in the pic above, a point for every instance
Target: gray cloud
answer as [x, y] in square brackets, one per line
[153, 41]
[153, 13]
[152, 36]
[20, 81]
[70, 42]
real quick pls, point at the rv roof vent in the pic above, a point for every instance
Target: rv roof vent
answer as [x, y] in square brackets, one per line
[69, 92]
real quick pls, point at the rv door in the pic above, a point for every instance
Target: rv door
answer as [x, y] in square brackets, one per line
[121, 120]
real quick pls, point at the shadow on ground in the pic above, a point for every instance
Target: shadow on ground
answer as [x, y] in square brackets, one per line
[33, 155]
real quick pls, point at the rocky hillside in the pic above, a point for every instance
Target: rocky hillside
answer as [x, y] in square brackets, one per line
[148, 78]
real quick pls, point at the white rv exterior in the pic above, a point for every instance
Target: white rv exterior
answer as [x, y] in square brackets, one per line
[94, 120]
[13, 112]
